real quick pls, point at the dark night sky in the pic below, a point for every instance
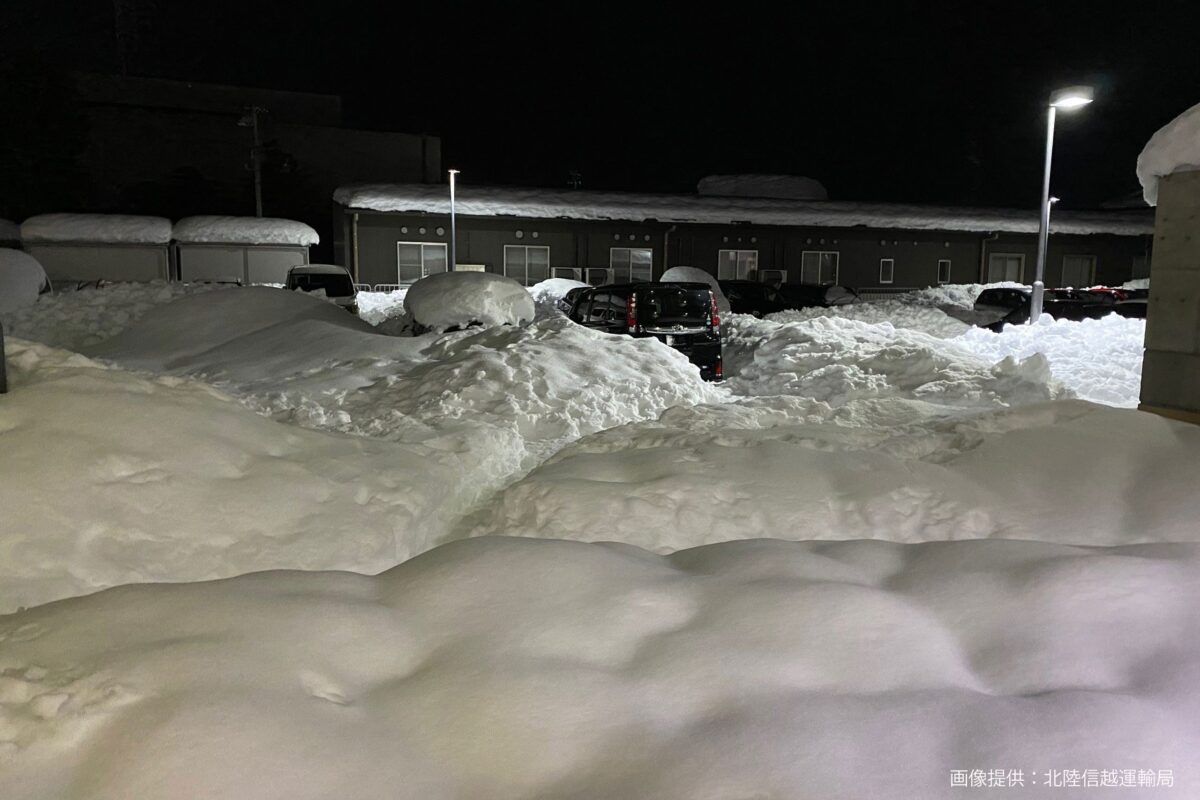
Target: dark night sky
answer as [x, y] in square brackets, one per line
[926, 102]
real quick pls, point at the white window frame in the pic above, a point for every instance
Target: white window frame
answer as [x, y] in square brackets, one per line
[1091, 281]
[837, 265]
[1020, 258]
[424, 269]
[949, 265]
[612, 268]
[741, 263]
[891, 275]
[524, 278]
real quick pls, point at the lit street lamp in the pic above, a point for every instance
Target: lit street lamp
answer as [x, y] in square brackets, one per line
[1067, 99]
[453, 235]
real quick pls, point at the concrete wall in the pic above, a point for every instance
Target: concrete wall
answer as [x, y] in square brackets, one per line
[1171, 370]
[575, 243]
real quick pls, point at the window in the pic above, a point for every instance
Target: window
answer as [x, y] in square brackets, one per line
[415, 260]
[631, 263]
[887, 270]
[943, 275]
[1005, 267]
[819, 266]
[528, 264]
[736, 264]
[1079, 271]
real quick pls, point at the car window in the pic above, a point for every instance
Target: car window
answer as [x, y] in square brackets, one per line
[674, 305]
[580, 305]
[606, 308]
[332, 285]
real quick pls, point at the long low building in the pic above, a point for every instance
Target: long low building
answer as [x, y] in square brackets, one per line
[396, 234]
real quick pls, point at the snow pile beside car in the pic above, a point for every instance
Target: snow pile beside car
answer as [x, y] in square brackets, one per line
[712, 473]
[22, 279]
[459, 299]
[532, 669]
[380, 307]
[893, 313]
[109, 478]
[1173, 148]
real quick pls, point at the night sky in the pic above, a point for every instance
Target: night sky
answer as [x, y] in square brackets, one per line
[924, 102]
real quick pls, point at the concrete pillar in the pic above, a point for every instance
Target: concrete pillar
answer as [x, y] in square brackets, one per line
[1171, 372]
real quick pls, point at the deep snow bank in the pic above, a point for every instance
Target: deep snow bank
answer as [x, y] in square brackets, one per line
[747, 669]
[458, 299]
[1173, 148]
[109, 478]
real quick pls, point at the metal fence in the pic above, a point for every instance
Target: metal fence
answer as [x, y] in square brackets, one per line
[883, 293]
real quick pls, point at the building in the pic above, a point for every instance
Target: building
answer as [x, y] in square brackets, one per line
[202, 155]
[389, 234]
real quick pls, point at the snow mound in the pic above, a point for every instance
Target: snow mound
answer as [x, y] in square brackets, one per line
[22, 279]
[76, 319]
[96, 228]
[380, 307]
[552, 290]
[1136, 283]
[960, 296]
[458, 299]
[787, 187]
[244, 230]
[109, 478]
[9, 231]
[746, 669]
[896, 313]
[696, 275]
[708, 474]
[1173, 148]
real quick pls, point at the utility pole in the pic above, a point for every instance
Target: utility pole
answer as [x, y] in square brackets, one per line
[250, 120]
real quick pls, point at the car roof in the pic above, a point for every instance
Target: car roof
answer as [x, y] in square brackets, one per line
[653, 285]
[319, 269]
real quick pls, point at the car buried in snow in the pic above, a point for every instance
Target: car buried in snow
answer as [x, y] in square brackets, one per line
[683, 316]
[334, 281]
[1000, 306]
[753, 297]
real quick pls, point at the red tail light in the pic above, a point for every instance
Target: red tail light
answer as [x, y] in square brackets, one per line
[719, 371]
[716, 315]
[631, 312]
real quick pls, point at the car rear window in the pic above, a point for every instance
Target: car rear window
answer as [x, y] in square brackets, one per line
[334, 285]
[674, 306]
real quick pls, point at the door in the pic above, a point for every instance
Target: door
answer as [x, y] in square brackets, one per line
[1079, 272]
[1005, 267]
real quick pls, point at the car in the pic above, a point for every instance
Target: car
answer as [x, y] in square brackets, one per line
[998, 307]
[680, 315]
[565, 302]
[752, 297]
[811, 295]
[331, 279]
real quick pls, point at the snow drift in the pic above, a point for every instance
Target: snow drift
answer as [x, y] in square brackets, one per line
[745, 669]
[458, 299]
[1173, 148]
[244, 230]
[22, 279]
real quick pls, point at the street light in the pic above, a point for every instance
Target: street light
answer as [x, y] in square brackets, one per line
[453, 236]
[1067, 99]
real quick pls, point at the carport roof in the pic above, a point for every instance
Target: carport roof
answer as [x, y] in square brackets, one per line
[484, 201]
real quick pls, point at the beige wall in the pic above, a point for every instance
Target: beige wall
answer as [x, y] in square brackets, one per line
[1171, 372]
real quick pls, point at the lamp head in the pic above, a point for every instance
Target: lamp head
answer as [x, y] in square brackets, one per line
[1072, 97]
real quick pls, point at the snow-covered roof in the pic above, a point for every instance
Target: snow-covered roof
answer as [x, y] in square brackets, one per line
[9, 231]
[96, 228]
[631, 207]
[1173, 148]
[783, 187]
[244, 230]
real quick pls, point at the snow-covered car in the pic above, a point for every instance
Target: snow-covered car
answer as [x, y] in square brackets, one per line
[334, 281]
[806, 295]
[680, 315]
[752, 297]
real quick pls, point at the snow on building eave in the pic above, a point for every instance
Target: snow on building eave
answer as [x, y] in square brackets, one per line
[707, 210]
[244, 231]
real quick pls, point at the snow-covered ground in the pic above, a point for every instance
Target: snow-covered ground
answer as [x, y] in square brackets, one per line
[1032, 576]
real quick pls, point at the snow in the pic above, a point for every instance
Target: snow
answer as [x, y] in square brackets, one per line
[96, 229]
[694, 275]
[244, 230]
[9, 231]
[785, 187]
[21, 280]
[631, 207]
[1136, 283]
[1173, 148]
[380, 307]
[898, 313]
[534, 669]
[458, 299]
[550, 291]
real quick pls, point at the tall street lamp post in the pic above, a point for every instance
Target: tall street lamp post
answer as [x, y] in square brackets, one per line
[1067, 99]
[453, 232]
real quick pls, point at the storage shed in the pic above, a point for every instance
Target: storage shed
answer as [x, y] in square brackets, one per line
[93, 247]
[240, 249]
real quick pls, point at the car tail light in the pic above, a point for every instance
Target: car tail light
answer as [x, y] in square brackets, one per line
[631, 312]
[716, 315]
[718, 370]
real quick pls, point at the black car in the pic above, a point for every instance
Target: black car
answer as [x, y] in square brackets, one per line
[681, 315]
[810, 295]
[1011, 306]
[752, 297]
